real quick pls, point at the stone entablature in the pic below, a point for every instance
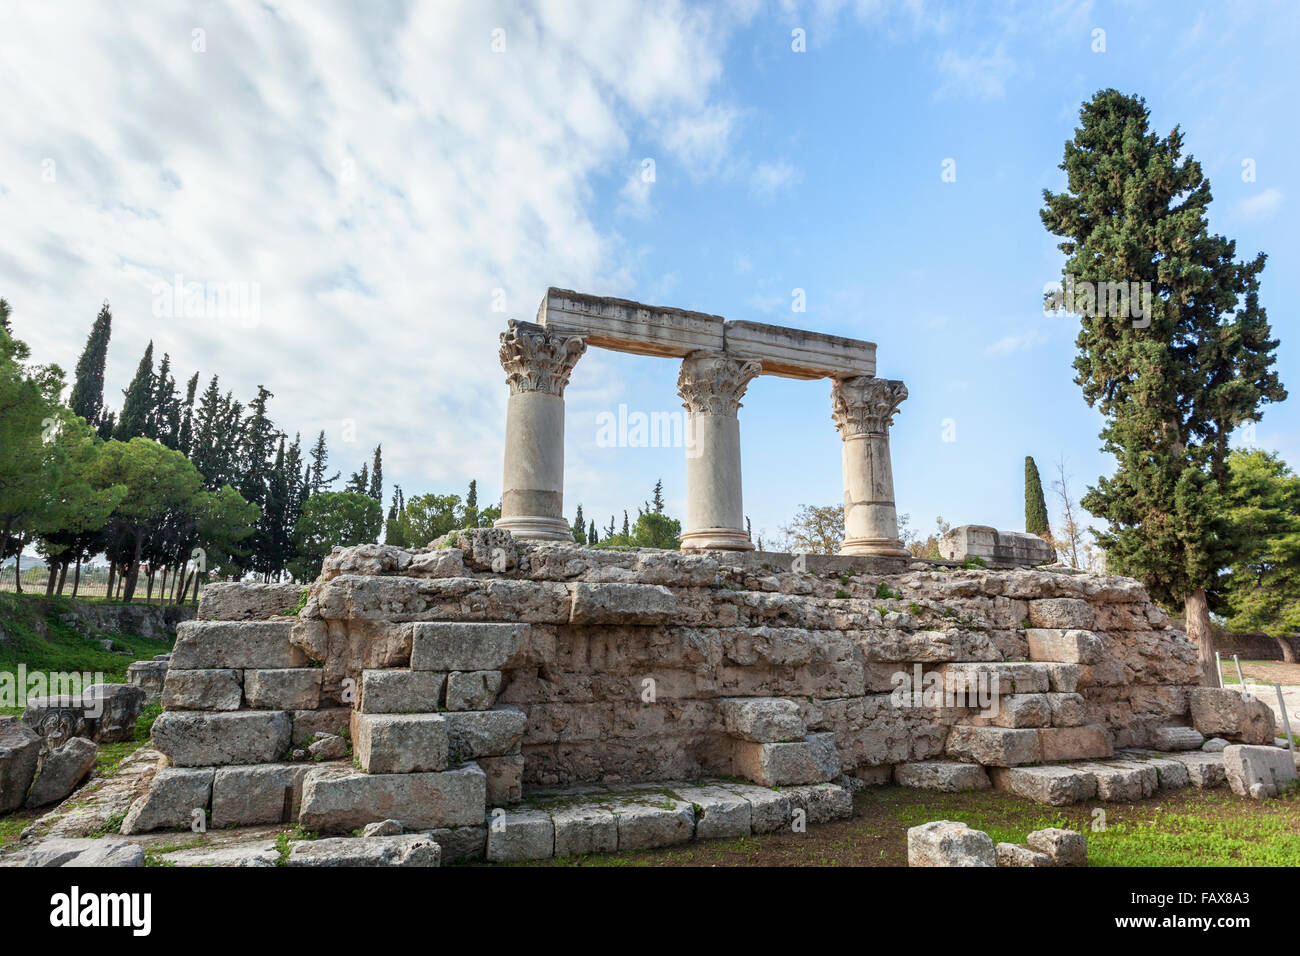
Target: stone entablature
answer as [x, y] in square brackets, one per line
[719, 359]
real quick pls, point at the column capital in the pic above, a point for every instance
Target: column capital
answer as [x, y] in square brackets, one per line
[536, 360]
[712, 383]
[865, 405]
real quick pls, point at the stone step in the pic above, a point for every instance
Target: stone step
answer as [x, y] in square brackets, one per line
[338, 800]
[764, 720]
[236, 644]
[400, 743]
[237, 601]
[400, 691]
[811, 760]
[947, 776]
[1130, 775]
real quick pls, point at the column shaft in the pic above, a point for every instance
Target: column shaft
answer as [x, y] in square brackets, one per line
[863, 408]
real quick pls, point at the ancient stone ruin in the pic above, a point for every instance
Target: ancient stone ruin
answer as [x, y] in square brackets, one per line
[507, 694]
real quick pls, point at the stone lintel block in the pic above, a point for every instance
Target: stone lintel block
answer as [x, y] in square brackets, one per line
[1063, 613]
[453, 646]
[295, 688]
[719, 813]
[1054, 786]
[472, 690]
[995, 746]
[237, 644]
[948, 843]
[766, 720]
[947, 776]
[335, 800]
[518, 835]
[400, 691]
[484, 733]
[1064, 646]
[400, 743]
[622, 603]
[1074, 743]
[505, 778]
[170, 803]
[215, 689]
[198, 739]
[258, 794]
[581, 829]
[811, 760]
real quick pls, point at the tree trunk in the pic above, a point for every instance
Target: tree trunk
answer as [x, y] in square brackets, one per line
[133, 574]
[162, 587]
[63, 574]
[18, 567]
[1288, 652]
[76, 577]
[54, 576]
[112, 580]
[1197, 612]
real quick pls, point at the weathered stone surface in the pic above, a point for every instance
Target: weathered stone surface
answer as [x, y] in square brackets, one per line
[1068, 613]
[307, 724]
[1064, 646]
[337, 800]
[382, 828]
[400, 743]
[237, 644]
[505, 778]
[1011, 854]
[472, 690]
[1063, 678]
[948, 776]
[1215, 745]
[262, 854]
[291, 688]
[224, 601]
[1122, 781]
[461, 843]
[762, 719]
[1015, 710]
[1258, 772]
[170, 804]
[454, 646]
[196, 739]
[149, 677]
[484, 733]
[214, 689]
[20, 750]
[263, 793]
[821, 802]
[412, 849]
[61, 771]
[584, 828]
[514, 836]
[1172, 773]
[1176, 738]
[401, 691]
[1006, 549]
[1065, 847]
[811, 760]
[1219, 712]
[997, 678]
[995, 746]
[328, 747]
[1068, 710]
[622, 604]
[945, 843]
[1205, 770]
[86, 853]
[1074, 743]
[102, 712]
[769, 810]
[644, 825]
[1054, 786]
[719, 814]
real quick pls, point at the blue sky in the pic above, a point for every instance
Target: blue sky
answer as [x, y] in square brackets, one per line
[386, 179]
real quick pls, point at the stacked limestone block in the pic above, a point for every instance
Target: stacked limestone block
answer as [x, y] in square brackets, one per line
[473, 670]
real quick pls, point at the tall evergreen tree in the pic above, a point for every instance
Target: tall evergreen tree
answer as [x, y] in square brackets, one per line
[471, 505]
[1173, 383]
[1036, 521]
[137, 406]
[186, 435]
[359, 483]
[319, 459]
[592, 536]
[657, 503]
[376, 487]
[579, 527]
[88, 386]
[4, 315]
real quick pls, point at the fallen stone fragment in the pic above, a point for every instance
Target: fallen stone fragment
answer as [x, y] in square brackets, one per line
[85, 852]
[61, 771]
[1012, 854]
[1258, 772]
[20, 749]
[1220, 712]
[1065, 847]
[408, 850]
[946, 843]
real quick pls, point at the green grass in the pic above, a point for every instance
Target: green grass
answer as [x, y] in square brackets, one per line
[62, 647]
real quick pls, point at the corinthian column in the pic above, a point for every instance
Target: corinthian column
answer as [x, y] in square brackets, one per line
[711, 385]
[863, 409]
[537, 365]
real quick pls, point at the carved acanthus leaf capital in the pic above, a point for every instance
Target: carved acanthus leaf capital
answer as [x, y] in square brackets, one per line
[712, 383]
[536, 360]
[864, 405]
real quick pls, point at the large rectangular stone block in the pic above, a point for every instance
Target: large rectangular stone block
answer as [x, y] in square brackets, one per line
[292, 688]
[338, 801]
[1074, 743]
[452, 646]
[400, 691]
[400, 743]
[241, 601]
[622, 603]
[811, 760]
[175, 798]
[217, 689]
[766, 720]
[1064, 646]
[1055, 786]
[1259, 772]
[263, 793]
[472, 690]
[584, 828]
[237, 644]
[197, 739]
[719, 813]
[1016, 710]
[1015, 677]
[484, 733]
[995, 746]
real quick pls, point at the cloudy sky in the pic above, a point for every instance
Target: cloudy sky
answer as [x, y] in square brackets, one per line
[393, 181]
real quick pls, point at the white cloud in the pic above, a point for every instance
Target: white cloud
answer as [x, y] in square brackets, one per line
[1020, 342]
[1261, 206]
[981, 75]
[379, 173]
[767, 179]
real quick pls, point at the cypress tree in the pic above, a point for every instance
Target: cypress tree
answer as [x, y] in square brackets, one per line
[376, 487]
[579, 527]
[137, 406]
[319, 458]
[1036, 521]
[471, 504]
[4, 315]
[1172, 383]
[658, 503]
[592, 537]
[88, 386]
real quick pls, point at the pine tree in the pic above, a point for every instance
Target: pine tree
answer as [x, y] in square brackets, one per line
[657, 504]
[627, 529]
[88, 387]
[376, 486]
[4, 315]
[319, 459]
[165, 413]
[1036, 521]
[579, 527]
[609, 531]
[359, 483]
[137, 407]
[1173, 382]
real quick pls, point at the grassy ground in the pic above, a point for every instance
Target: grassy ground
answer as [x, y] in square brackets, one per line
[62, 647]
[1271, 672]
[1183, 828]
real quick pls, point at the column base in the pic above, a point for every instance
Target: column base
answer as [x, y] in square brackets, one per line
[716, 539]
[535, 528]
[887, 547]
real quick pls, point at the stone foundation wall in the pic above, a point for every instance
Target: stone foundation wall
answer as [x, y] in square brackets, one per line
[487, 666]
